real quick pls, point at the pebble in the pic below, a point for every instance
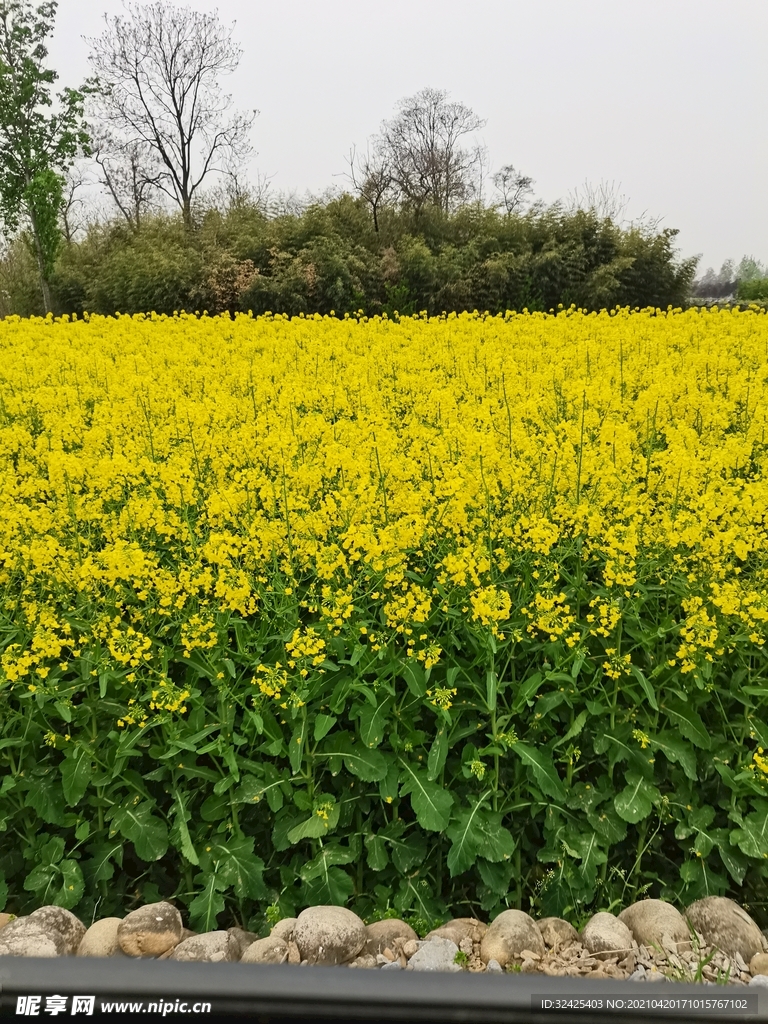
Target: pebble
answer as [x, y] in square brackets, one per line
[329, 935]
[605, 935]
[651, 922]
[557, 932]
[212, 947]
[512, 932]
[726, 925]
[101, 938]
[272, 950]
[151, 930]
[382, 934]
[24, 937]
[284, 929]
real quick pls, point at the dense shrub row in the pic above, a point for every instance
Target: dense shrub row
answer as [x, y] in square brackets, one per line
[329, 257]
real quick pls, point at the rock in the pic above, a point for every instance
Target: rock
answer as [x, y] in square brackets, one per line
[650, 920]
[436, 954]
[759, 980]
[393, 966]
[294, 956]
[211, 947]
[460, 928]
[25, 937]
[241, 940]
[101, 938]
[508, 935]
[151, 930]
[63, 921]
[411, 947]
[366, 961]
[605, 935]
[557, 932]
[6, 919]
[284, 929]
[759, 964]
[187, 933]
[726, 925]
[381, 934]
[272, 950]
[328, 935]
[494, 967]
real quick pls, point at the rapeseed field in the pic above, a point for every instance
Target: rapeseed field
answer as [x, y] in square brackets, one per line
[435, 613]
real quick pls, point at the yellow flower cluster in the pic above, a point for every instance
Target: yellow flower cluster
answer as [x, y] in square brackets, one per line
[552, 616]
[169, 698]
[158, 472]
[305, 649]
[760, 762]
[441, 697]
[490, 606]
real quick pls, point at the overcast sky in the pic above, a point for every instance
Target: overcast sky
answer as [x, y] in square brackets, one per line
[664, 98]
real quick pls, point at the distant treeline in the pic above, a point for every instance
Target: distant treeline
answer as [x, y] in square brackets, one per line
[746, 281]
[329, 256]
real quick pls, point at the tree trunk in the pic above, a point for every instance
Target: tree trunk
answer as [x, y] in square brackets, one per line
[45, 288]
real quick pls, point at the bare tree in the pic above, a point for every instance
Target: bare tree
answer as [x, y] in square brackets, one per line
[604, 200]
[371, 178]
[129, 172]
[157, 71]
[73, 204]
[513, 186]
[422, 147]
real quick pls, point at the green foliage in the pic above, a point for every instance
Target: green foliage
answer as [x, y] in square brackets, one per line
[330, 259]
[36, 146]
[754, 289]
[19, 284]
[43, 199]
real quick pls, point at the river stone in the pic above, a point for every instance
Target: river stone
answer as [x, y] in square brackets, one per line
[211, 947]
[328, 935]
[101, 938]
[726, 925]
[650, 920]
[284, 929]
[435, 954]
[25, 937]
[605, 935]
[557, 932]
[508, 935]
[381, 934]
[460, 928]
[151, 930]
[365, 961]
[272, 950]
[758, 964]
[241, 940]
[6, 919]
[63, 921]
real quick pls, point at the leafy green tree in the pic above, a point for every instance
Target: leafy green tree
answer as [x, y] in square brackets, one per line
[39, 140]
